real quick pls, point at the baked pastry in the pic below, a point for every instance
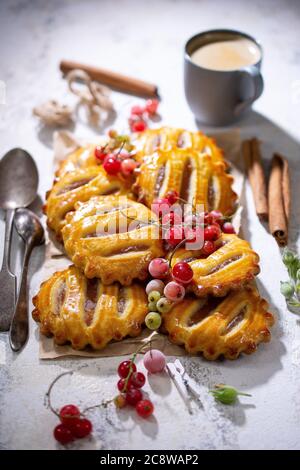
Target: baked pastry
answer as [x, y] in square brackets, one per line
[171, 138]
[231, 266]
[84, 312]
[195, 177]
[81, 158]
[78, 185]
[113, 238]
[225, 326]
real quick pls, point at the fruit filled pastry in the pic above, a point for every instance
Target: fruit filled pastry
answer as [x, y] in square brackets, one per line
[225, 326]
[84, 312]
[78, 185]
[195, 178]
[171, 138]
[113, 238]
[230, 266]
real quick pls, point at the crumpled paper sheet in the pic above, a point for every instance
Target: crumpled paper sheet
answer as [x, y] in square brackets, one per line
[65, 143]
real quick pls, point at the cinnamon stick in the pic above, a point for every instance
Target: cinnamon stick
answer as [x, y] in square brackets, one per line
[114, 80]
[279, 200]
[253, 160]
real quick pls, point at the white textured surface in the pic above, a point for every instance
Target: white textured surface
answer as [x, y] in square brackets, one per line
[146, 39]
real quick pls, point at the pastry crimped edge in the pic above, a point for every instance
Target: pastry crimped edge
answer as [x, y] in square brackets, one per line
[66, 321]
[92, 254]
[205, 283]
[59, 203]
[163, 171]
[208, 335]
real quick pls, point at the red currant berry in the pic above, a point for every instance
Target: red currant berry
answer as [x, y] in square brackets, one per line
[212, 232]
[144, 408]
[138, 126]
[182, 272]
[133, 396]
[111, 164]
[68, 413]
[172, 218]
[227, 227]
[172, 197]
[217, 216]
[160, 206]
[174, 235]
[124, 368]
[137, 111]
[208, 247]
[137, 380]
[81, 428]
[63, 434]
[151, 106]
[100, 153]
[206, 218]
[121, 385]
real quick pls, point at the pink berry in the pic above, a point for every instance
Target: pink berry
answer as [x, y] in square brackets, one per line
[137, 111]
[127, 166]
[227, 227]
[212, 232]
[159, 268]
[151, 106]
[182, 272]
[160, 206]
[154, 361]
[174, 291]
[111, 164]
[155, 284]
[217, 216]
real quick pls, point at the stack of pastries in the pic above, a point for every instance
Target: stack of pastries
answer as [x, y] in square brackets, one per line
[102, 296]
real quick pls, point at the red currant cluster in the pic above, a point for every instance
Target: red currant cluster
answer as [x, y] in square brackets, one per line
[117, 156]
[140, 114]
[72, 425]
[131, 381]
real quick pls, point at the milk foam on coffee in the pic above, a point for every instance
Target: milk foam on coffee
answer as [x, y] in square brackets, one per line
[225, 55]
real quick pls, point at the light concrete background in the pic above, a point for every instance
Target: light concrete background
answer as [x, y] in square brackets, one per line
[146, 39]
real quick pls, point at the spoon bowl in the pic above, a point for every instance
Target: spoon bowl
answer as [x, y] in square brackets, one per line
[31, 230]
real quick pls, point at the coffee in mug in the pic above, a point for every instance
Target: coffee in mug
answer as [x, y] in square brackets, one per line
[222, 76]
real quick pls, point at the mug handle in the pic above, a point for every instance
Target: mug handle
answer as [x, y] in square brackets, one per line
[251, 72]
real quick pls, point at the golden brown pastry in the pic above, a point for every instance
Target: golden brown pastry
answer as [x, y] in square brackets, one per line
[231, 266]
[83, 157]
[225, 326]
[171, 138]
[78, 185]
[113, 238]
[195, 177]
[84, 312]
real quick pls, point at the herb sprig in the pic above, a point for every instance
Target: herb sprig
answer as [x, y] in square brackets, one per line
[291, 289]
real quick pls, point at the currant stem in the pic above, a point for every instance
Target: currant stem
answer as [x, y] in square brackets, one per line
[175, 249]
[48, 394]
[132, 360]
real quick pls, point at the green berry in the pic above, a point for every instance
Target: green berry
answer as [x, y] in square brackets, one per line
[153, 320]
[227, 394]
[288, 257]
[287, 289]
[164, 305]
[152, 307]
[154, 296]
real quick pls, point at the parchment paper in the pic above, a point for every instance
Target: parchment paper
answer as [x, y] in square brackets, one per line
[65, 143]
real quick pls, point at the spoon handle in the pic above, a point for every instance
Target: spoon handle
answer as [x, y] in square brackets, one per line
[7, 278]
[19, 327]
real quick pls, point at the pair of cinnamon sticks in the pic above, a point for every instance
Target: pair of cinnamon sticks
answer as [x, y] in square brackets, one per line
[272, 201]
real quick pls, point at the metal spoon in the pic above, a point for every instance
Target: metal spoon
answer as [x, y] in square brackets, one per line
[31, 230]
[18, 188]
